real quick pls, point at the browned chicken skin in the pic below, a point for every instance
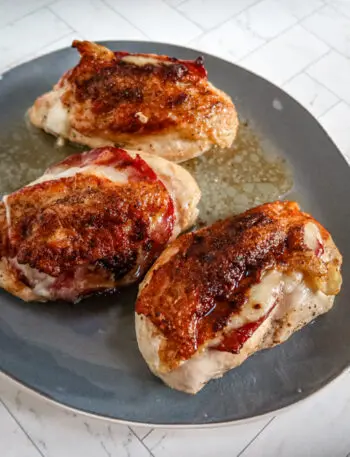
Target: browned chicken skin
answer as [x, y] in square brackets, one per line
[93, 222]
[158, 104]
[219, 294]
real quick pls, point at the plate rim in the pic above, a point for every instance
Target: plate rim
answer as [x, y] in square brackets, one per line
[188, 48]
[45, 397]
[168, 426]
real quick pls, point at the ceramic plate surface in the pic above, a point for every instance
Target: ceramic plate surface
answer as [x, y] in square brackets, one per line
[85, 356]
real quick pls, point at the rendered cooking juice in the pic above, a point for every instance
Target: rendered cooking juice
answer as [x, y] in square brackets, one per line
[241, 177]
[231, 180]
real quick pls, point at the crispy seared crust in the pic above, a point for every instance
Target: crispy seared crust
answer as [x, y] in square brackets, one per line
[61, 224]
[204, 278]
[58, 225]
[3, 228]
[107, 229]
[10, 280]
[111, 99]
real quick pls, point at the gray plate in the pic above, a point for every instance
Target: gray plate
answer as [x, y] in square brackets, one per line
[86, 356]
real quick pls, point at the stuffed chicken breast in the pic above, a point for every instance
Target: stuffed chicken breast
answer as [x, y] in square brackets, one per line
[94, 222]
[147, 102]
[218, 295]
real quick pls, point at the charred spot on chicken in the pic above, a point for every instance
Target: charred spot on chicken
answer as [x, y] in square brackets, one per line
[94, 222]
[243, 284]
[147, 102]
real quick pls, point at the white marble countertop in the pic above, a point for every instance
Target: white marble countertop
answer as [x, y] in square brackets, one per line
[300, 45]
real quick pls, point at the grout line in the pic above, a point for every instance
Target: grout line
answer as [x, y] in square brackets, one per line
[267, 41]
[329, 108]
[235, 15]
[333, 106]
[282, 33]
[324, 42]
[348, 17]
[58, 39]
[141, 441]
[148, 433]
[188, 19]
[211, 29]
[125, 19]
[50, 2]
[319, 82]
[143, 33]
[329, 5]
[59, 17]
[256, 436]
[304, 70]
[303, 103]
[175, 8]
[181, 2]
[32, 55]
[35, 10]
[20, 426]
[193, 41]
[53, 42]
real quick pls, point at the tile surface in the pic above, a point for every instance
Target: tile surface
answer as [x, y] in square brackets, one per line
[301, 8]
[316, 427]
[301, 45]
[285, 56]
[332, 27]
[333, 71]
[12, 11]
[208, 13]
[56, 431]
[64, 42]
[223, 441]
[343, 6]
[310, 93]
[174, 2]
[267, 19]
[13, 441]
[100, 23]
[158, 20]
[142, 432]
[42, 23]
[336, 122]
[231, 41]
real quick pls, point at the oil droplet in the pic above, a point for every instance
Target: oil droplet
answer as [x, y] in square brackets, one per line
[277, 104]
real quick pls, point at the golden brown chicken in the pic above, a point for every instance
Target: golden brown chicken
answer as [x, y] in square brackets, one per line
[216, 296]
[94, 222]
[147, 102]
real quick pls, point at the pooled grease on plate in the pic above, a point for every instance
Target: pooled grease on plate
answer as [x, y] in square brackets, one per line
[25, 153]
[231, 180]
[241, 177]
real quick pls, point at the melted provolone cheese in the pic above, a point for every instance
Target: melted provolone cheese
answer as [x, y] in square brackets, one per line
[97, 170]
[8, 214]
[262, 298]
[57, 120]
[295, 300]
[143, 60]
[312, 236]
[40, 282]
